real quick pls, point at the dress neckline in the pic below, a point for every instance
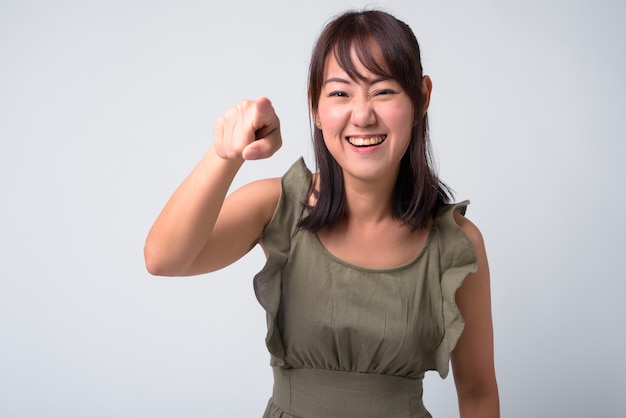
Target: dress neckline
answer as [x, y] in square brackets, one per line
[317, 242]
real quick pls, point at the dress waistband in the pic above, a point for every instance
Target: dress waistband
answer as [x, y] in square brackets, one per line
[326, 393]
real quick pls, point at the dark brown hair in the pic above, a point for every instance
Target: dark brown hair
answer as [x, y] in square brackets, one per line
[418, 191]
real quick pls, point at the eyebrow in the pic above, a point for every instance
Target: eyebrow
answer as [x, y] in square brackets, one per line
[346, 81]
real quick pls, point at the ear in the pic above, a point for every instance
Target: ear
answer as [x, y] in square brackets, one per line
[316, 120]
[427, 88]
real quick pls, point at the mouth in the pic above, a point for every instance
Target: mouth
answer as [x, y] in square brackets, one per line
[368, 141]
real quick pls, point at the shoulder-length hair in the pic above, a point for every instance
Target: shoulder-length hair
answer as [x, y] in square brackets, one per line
[418, 191]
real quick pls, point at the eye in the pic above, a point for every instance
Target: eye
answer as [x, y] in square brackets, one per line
[383, 92]
[338, 93]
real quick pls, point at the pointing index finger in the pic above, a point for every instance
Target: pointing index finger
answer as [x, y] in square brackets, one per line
[265, 119]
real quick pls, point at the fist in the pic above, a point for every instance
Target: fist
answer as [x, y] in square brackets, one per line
[248, 130]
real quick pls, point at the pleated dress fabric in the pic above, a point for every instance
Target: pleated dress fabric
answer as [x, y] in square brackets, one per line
[348, 341]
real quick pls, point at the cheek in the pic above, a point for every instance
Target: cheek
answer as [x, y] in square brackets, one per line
[403, 112]
[332, 118]
[402, 118]
[326, 118]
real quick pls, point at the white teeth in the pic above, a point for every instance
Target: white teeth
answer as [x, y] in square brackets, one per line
[366, 142]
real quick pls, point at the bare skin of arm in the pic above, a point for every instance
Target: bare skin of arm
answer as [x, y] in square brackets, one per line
[200, 230]
[473, 357]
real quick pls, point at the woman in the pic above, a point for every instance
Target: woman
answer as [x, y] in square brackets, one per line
[364, 258]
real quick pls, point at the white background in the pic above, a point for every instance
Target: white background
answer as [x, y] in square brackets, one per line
[105, 106]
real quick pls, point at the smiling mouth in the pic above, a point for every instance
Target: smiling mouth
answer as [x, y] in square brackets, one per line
[366, 142]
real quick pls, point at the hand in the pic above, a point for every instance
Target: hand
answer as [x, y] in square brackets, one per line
[248, 130]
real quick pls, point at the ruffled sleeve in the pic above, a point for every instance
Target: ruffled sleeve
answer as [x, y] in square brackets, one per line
[277, 239]
[457, 259]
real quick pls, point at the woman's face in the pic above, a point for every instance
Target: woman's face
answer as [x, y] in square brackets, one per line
[367, 123]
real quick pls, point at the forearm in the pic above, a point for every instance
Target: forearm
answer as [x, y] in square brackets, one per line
[184, 226]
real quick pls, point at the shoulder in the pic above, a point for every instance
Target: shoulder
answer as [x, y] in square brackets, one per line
[269, 185]
[297, 175]
[451, 220]
[470, 229]
[252, 205]
[261, 194]
[263, 198]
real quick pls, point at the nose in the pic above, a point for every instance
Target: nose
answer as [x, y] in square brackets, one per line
[363, 113]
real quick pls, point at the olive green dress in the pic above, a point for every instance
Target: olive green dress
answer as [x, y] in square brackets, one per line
[348, 341]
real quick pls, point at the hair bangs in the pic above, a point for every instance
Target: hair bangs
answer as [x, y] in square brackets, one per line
[367, 50]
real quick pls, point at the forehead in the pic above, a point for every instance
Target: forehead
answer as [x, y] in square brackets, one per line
[359, 60]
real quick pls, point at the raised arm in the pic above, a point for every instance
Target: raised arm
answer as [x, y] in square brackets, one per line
[473, 357]
[199, 229]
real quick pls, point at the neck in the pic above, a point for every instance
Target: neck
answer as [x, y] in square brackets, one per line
[368, 201]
